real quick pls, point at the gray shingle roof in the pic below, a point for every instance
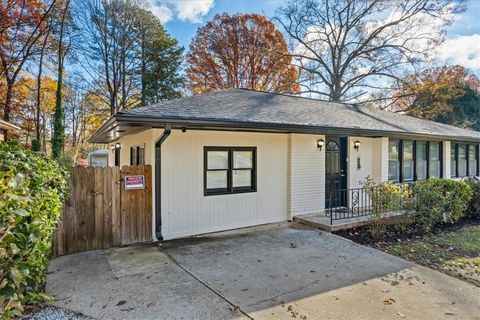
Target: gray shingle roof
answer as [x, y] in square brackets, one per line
[255, 107]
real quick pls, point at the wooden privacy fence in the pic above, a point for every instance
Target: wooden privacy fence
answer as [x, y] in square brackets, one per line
[102, 212]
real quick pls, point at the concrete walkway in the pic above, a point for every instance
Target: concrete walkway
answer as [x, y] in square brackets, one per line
[270, 272]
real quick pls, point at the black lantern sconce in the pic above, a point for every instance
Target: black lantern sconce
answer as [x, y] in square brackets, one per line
[320, 144]
[356, 145]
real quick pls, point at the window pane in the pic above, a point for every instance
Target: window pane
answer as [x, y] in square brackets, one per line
[217, 160]
[434, 151]
[393, 170]
[453, 161]
[472, 161]
[434, 161]
[141, 156]
[242, 159]
[462, 160]
[217, 179]
[133, 156]
[408, 160]
[242, 178]
[421, 154]
[393, 163]
[393, 150]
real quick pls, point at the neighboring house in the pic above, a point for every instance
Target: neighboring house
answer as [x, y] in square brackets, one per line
[6, 126]
[235, 158]
[98, 158]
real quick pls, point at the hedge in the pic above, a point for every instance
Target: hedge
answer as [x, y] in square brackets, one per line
[440, 200]
[32, 190]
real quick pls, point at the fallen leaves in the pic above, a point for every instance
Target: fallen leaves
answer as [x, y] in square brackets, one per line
[388, 301]
[234, 308]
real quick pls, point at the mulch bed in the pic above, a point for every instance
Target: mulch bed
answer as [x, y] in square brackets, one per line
[361, 235]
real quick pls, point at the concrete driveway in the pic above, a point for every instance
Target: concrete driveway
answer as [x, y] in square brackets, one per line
[280, 271]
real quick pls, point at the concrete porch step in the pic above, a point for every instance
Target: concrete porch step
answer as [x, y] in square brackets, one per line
[320, 221]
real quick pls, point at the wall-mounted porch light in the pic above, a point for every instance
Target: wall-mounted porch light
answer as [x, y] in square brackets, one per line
[320, 144]
[356, 145]
[117, 145]
[112, 147]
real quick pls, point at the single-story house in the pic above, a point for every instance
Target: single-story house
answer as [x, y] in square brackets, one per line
[6, 126]
[235, 158]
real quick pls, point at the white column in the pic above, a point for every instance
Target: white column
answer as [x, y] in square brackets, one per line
[380, 159]
[446, 159]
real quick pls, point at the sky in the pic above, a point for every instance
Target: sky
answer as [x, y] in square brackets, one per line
[183, 17]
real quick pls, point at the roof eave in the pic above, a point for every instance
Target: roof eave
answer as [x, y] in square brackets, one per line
[204, 124]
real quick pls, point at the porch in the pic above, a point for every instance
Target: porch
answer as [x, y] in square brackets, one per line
[350, 208]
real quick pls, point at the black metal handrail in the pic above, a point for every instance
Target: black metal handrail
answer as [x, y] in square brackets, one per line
[352, 203]
[348, 203]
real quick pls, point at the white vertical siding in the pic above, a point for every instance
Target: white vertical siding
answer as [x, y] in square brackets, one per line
[306, 175]
[370, 160]
[185, 209]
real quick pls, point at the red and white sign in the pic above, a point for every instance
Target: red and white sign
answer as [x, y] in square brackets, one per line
[134, 182]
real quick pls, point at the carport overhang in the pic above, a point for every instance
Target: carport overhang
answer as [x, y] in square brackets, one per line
[123, 124]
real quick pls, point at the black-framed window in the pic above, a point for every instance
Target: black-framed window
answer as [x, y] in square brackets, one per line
[421, 160]
[394, 160]
[229, 170]
[137, 156]
[434, 159]
[453, 160]
[464, 160]
[408, 168]
[414, 160]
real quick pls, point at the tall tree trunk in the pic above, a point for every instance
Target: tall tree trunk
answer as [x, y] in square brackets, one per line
[58, 121]
[144, 71]
[39, 88]
[7, 105]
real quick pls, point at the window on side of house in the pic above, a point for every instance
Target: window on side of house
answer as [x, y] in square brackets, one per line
[434, 160]
[394, 160]
[137, 156]
[421, 159]
[407, 163]
[117, 156]
[229, 170]
[462, 160]
[453, 160]
[472, 160]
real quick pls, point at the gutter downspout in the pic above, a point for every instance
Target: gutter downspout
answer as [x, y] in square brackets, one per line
[158, 181]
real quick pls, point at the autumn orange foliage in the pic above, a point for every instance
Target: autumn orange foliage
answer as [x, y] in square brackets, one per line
[240, 51]
[431, 92]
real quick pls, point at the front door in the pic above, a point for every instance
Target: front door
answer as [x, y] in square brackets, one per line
[335, 171]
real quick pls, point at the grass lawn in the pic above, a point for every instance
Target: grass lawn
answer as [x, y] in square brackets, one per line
[455, 252]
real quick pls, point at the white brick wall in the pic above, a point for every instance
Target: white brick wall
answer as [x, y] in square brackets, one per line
[306, 175]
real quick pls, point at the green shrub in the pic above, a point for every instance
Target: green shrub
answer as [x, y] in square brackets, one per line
[36, 145]
[32, 190]
[440, 200]
[474, 204]
[387, 197]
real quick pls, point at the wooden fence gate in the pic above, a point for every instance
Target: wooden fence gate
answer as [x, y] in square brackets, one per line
[103, 211]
